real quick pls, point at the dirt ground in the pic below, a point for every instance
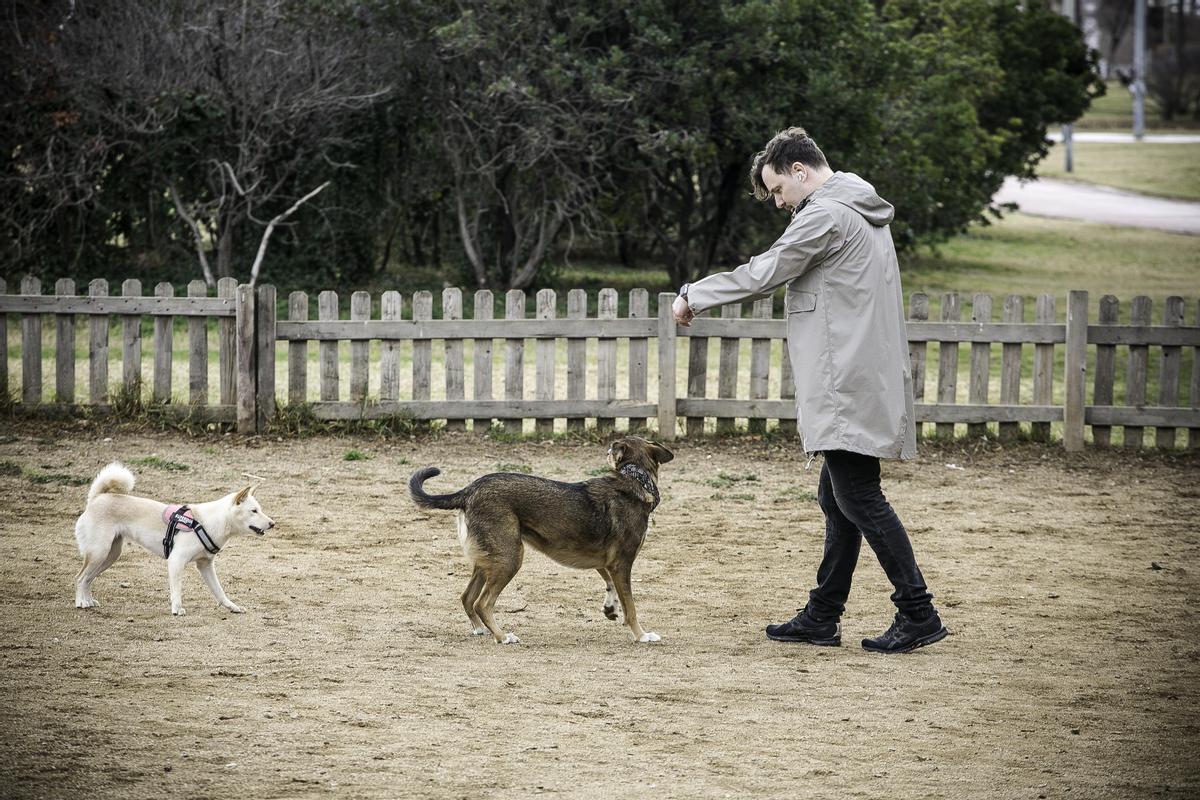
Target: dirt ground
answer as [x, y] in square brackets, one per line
[1069, 584]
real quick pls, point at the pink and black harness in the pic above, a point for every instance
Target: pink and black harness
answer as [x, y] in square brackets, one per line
[180, 516]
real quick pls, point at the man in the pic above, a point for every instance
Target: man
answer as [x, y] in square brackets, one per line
[849, 352]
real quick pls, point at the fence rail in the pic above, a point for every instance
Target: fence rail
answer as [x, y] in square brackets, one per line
[575, 360]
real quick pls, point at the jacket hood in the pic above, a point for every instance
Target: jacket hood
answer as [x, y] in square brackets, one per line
[857, 195]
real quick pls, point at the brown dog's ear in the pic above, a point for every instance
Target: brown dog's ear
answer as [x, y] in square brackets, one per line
[661, 454]
[616, 451]
[242, 495]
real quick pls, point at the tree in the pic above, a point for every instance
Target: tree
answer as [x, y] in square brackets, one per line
[222, 108]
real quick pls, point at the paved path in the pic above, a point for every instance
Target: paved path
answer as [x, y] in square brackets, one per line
[1047, 197]
[1149, 138]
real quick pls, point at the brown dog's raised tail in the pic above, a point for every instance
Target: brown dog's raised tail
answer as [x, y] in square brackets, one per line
[442, 501]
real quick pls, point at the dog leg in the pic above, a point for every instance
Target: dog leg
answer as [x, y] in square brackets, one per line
[469, 596]
[175, 582]
[610, 595]
[498, 574]
[95, 561]
[621, 578]
[209, 573]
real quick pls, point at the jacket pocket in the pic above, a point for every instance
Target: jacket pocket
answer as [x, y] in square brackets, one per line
[796, 302]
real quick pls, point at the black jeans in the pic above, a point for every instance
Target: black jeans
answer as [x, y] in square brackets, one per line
[855, 508]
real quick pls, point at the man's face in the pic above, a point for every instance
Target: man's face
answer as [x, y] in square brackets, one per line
[788, 189]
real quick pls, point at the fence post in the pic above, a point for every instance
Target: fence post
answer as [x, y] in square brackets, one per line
[948, 364]
[64, 347]
[1193, 433]
[98, 347]
[544, 361]
[244, 350]
[131, 345]
[1076, 369]
[666, 367]
[31, 347]
[264, 332]
[1168, 375]
[197, 350]
[1106, 361]
[4, 340]
[163, 347]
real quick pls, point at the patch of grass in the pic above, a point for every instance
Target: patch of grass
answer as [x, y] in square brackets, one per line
[725, 479]
[299, 419]
[1165, 170]
[598, 471]
[1028, 256]
[59, 478]
[159, 463]
[795, 493]
[504, 466]
[355, 455]
[9, 468]
[737, 498]
[1114, 111]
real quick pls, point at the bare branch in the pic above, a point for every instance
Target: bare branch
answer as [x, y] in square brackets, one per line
[262, 245]
[208, 276]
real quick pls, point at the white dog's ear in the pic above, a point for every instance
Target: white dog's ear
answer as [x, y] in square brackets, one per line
[242, 495]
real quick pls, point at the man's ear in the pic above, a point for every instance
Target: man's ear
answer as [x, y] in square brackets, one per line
[242, 495]
[661, 454]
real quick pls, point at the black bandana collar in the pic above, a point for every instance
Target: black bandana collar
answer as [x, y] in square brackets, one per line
[642, 477]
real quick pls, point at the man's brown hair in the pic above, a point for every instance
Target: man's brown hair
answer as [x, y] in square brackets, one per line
[785, 148]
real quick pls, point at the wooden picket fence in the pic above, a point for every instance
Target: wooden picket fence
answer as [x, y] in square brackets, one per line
[249, 332]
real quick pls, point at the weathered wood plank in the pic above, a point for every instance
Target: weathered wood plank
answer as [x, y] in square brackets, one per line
[227, 344]
[131, 340]
[576, 357]
[1151, 335]
[545, 301]
[1043, 368]
[918, 349]
[787, 391]
[1075, 377]
[422, 363]
[1154, 416]
[264, 357]
[360, 349]
[1136, 371]
[760, 363]
[452, 353]
[247, 422]
[64, 347]
[514, 358]
[482, 358]
[298, 352]
[667, 396]
[981, 356]
[1010, 366]
[104, 305]
[197, 350]
[4, 339]
[639, 353]
[391, 307]
[98, 348]
[1106, 362]
[164, 347]
[1194, 431]
[727, 368]
[31, 347]
[1168, 375]
[948, 363]
[697, 379]
[507, 410]
[606, 356]
[327, 309]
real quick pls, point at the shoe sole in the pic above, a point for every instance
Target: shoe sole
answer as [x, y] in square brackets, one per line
[797, 640]
[922, 642]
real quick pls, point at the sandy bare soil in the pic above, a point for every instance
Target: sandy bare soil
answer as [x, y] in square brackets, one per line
[1069, 585]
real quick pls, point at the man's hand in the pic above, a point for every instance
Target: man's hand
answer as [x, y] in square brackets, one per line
[682, 311]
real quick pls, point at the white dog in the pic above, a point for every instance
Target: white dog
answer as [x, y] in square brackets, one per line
[181, 534]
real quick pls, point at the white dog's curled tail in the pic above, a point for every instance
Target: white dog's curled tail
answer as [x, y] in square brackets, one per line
[114, 479]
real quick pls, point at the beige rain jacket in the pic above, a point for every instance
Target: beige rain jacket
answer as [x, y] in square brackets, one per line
[845, 319]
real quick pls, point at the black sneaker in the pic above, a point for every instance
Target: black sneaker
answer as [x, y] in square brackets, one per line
[907, 634]
[803, 628]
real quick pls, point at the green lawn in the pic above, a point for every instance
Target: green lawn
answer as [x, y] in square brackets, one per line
[1165, 170]
[1114, 111]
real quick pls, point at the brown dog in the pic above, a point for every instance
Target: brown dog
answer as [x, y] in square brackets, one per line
[598, 524]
